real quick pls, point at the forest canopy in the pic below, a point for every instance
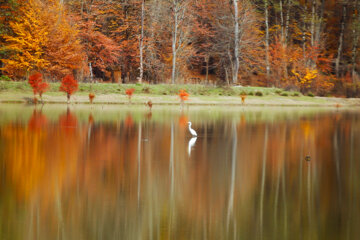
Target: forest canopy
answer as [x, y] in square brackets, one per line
[305, 45]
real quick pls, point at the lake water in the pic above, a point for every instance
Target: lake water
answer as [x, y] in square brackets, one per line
[121, 172]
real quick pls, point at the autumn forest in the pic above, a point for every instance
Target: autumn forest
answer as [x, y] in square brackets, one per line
[301, 45]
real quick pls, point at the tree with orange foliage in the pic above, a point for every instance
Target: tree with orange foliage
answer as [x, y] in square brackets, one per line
[95, 20]
[63, 49]
[27, 41]
[129, 92]
[43, 39]
[69, 85]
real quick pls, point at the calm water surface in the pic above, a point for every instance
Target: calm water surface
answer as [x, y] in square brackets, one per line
[125, 173]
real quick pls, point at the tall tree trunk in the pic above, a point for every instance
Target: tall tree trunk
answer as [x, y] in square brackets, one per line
[304, 35]
[141, 47]
[236, 43]
[282, 22]
[174, 40]
[312, 30]
[287, 21]
[341, 41]
[356, 33]
[267, 39]
[207, 69]
[320, 23]
[286, 37]
[317, 27]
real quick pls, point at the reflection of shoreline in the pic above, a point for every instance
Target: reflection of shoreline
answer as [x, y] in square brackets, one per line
[91, 179]
[209, 114]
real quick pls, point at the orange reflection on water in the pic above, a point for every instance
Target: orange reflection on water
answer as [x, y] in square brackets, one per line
[134, 179]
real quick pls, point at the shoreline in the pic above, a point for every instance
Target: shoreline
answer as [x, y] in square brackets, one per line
[166, 100]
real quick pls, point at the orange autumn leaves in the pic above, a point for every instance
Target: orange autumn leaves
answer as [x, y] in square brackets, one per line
[42, 39]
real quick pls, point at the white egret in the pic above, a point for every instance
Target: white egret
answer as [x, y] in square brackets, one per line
[191, 144]
[192, 131]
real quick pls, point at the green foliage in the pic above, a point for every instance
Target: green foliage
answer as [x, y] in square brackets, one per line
[310, 94]
[284, 94]
[146, 89]
[4, 78]
[278, 91]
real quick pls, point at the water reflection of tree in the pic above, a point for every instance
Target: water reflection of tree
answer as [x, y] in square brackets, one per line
[114, 185]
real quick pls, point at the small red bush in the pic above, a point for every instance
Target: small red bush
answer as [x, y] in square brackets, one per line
[43, 87]
[69, 85]
[91, 97]
[183, 95]
[37, 84]
[34, 81]
[130, 92]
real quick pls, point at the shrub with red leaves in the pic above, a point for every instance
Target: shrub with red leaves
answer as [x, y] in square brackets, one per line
[91, 97]
[130, 92]
[42, 87]
[38, 85]
[69, 85]
[183, 95]
[34, 81]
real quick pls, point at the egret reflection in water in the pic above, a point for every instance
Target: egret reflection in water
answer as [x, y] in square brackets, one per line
[191, 144]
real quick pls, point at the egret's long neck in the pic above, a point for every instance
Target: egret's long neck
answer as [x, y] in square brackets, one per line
[189, 126]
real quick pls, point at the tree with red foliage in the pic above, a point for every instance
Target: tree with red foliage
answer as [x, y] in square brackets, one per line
[69, 85]
[34, 81]
[38, 85]
[42, 87]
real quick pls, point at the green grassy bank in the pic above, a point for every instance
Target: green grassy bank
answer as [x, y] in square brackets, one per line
[108, 93]
[158, 89]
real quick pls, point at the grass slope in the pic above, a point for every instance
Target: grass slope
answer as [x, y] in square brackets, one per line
[167, 94]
